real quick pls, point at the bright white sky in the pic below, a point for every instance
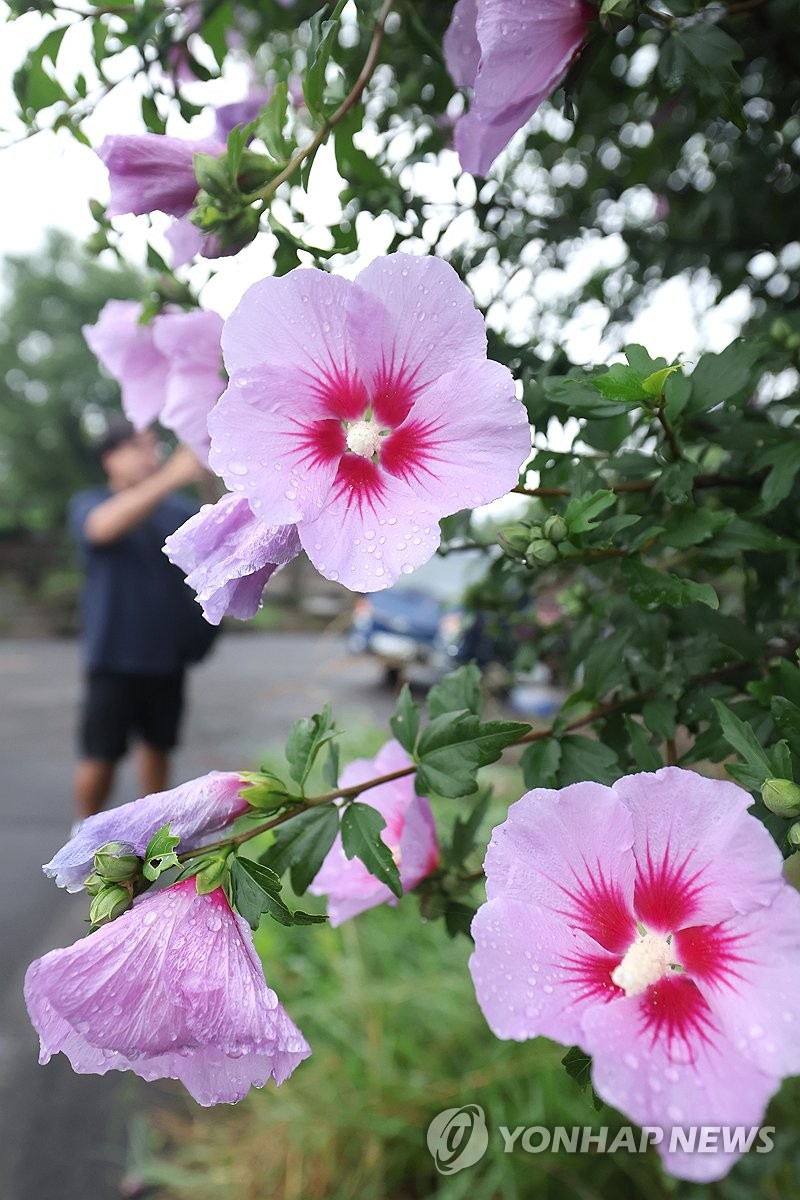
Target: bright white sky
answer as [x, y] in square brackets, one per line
[47, 182]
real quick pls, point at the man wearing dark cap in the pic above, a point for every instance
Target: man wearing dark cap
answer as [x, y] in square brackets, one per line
[141, 625]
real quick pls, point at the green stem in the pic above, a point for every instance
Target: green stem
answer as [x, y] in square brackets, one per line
[266, 194]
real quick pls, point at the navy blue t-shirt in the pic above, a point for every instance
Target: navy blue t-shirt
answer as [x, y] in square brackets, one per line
[139, 616]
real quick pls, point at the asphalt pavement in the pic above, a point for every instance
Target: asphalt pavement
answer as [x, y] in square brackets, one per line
[64, 1136]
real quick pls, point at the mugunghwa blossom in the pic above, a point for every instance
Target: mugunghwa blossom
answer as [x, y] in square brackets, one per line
[151, 172]
[512, 54]
[169, 369]
[196, 811]
[228, 555]
[173, 989]
[410, 833]
[242, 112]
[650, 924]
[364, 411]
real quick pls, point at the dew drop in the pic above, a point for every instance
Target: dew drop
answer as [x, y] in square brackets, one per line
[237, 468]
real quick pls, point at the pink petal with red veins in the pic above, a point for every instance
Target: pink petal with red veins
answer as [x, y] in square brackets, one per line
[372, 529]
[748, 969]
[272, 440]
[533, 976]
[302, 321]
[570, 853]
[464, 439]
[691, 834]
[428, 326]
[663, 1060]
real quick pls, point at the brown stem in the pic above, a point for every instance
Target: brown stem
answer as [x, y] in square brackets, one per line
[670, 432]
[330, 122]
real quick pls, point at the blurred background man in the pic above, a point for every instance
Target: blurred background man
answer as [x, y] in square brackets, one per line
[141, 624]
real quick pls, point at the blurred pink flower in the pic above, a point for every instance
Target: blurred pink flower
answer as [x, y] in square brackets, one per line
[410, 834]
[196, 810]
[513, 54]
[650, 924]
[169, 370]
[173, 989]
[228, 555]
[242, 112]
[365, 411]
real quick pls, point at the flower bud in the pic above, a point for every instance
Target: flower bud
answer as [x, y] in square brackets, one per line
[212, 874]
[794, 835]
[238, 231]
[212, 176]
[255, 170]
[555, 528]
[115, 867]
[515, 537]
[542, 552]
[781, 797]
[109, 903]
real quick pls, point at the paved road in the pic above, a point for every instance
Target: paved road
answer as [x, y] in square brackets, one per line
[63, 1136]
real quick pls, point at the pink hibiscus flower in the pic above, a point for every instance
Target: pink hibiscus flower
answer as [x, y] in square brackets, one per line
[227, 556]
[650, 924]
[169, 370]
[196, 811]
[512, 53]
[410, 834]
[173, 989]
[364, 411]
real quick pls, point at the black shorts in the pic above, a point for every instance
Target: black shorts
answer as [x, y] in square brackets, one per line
[118, 705]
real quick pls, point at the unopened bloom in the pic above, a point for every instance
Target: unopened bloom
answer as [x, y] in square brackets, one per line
[228, 555]
[410, 833]
[513, 54]
[151, 172]
[169, 369]
[194, 810]
[650, 924]
[173, 989]
[365, 411]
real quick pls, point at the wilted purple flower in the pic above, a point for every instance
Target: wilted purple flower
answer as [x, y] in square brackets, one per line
[363, 412]
[410, 833]
[650, 924]
[173, 989]
[512, 53]
[151, 172]
[194, 810]
[169, 370]
[228, 555]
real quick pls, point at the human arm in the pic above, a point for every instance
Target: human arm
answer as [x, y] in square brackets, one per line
[126, 509]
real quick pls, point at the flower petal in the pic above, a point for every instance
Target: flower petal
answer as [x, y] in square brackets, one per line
[533, 976]
[670, 1082]
[191, 344]
[196, 1007]
[462, 51]
[127, 350]
[194, 810]
[372, 530]
[150, 171]
[424, 324]
[570, 853]
[228, 556]
[461, 455]
[690, 834]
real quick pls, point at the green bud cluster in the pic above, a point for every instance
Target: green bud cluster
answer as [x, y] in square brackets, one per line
[115, 879]
[781, 797]
[535, 544]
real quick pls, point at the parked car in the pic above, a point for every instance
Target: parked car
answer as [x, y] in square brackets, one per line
[421, 621]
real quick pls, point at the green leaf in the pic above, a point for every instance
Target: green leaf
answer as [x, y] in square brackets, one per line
[301, 845]
[458, 918]
[718, 378]
[644, 755]
[323, 41]
[306, 738]
[361, 838]
[605, 666]
[660, 716]
[622, 383]
[452, 748]
[271, 124]
[651, 589]
[460, 691]
[255, 891]
[744, 741]
[540, 762]
[330, 770]
[784, 463]
[582, 511]
[654, 384]
[740, 534]
[690, 528]
[578, 1066]
[583, 758]
[466, 829]
[702, 56]
[404, 721]
[160, 853]
[787, 718]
